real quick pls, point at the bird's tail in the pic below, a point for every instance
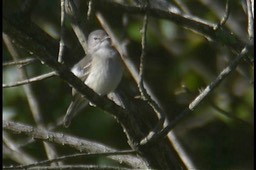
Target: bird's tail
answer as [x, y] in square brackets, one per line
[75, 106]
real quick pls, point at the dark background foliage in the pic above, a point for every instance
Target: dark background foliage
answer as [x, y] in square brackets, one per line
[178, 63]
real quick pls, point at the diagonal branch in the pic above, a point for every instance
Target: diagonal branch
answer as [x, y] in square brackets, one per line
[31, 97]
[205, 93]
[135, 74]
[78, 25]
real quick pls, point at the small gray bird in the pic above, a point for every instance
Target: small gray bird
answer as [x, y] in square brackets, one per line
[100, 69]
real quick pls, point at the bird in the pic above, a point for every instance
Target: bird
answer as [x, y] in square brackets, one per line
[101, 70]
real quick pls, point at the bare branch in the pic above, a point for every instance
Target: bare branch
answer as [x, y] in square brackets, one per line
[227, 114]
[89, 12]
[68, 167]
[227, 12]
[143, 54]
[145, 96]
[20, 63]
[30, 95]
[250, 18]
[62, 32]
[157, 154]
[79, 155]
[31, 80]
[225, 17]
[182, 6]
[216, 7]
[195, 103]
[77, 23]
[203, 27]
[11, 150]
[79, 144]
[135, 74]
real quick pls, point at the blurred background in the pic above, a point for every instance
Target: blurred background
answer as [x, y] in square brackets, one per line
[178, 63]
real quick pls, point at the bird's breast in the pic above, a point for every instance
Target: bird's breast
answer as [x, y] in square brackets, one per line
[105, 73]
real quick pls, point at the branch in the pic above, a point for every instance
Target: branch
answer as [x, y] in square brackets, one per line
[65, 74]
[205, 28]
[195, 103]
[31, 97]
[227, 114]
[135, 74]
[227, 12]
[68, 167]
[20, 63]
[132, 128]
[79, 155]
[160, 155]
[77, 23]
[62, 32]
[145, 96]
[30, 80]
[62, 139]
[11, 150]
[250, 14]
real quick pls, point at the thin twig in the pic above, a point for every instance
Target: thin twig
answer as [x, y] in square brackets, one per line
[31, 97]
[225, 17]
[11, 150]
[81, 145]
[77, 23]
[102, 103]
[129, 64]
[193, 23]
[227, 114]
[182, 6]
[79, 155]
[62, 32]
[31, 80]
[20, 63]
[135, 74]
[227, 12]
[145, 96]
[79, 167]
[250, 19]
[90, 7]
[195, 103]
[233, 24]
[143, 92]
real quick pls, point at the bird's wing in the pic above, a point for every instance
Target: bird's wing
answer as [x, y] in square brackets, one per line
[82, 68]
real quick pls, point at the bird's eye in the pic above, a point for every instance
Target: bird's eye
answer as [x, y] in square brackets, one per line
[95, 38]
